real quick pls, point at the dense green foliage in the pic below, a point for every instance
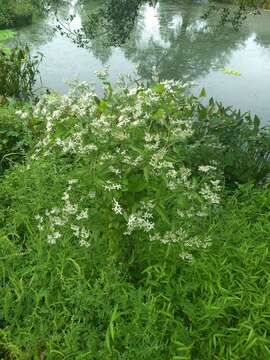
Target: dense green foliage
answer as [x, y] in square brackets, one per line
[15, 13]
[125, 234]
[18, 71]
[245, 145]
[68, 302]
[16, 137]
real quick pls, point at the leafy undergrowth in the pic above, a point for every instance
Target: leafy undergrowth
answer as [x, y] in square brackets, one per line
[16, 137]
[125, 234]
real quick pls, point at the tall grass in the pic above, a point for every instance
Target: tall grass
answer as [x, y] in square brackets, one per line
[18, 72]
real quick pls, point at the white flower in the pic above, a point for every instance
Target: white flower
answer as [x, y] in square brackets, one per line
[70, 209]
[23, 115]
[117, 207]
[84, 233]
[206, 168]
[92, 194]
[73, 181]
[84, 243]
[186, 256]
[39, 218]
[209, 195]
[82, 215]
[132, 92]
[58, 221]
[40, 227]
[65, 196]
[110, 186]
[139, 221]
[185, 173]
[51, 238]
[76, 230]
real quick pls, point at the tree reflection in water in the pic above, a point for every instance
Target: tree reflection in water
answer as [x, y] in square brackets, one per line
[179, 45]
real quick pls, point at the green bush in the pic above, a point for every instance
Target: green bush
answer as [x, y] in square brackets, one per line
[243, 146]
[119, 240]
[15, 137]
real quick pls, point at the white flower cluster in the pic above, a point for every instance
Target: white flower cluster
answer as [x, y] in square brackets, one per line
[179, 179]
[206, 168]
[56, 110]
[22, 114]
[75, 144]
[130, 137]
[141, 219]
[170, 237]
[117, 207]
[180, 236]
[57, 220]
[152, 141]
[110, 186]
[211, 192]
[182, 130]
[158, 161]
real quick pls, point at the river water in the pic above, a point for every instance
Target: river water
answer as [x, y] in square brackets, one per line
[171, 37]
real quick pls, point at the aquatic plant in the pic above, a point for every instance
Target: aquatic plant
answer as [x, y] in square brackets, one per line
[18, 72]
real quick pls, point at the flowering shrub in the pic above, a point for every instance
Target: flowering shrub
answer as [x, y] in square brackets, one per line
[140, 166]
[125, 167]
[106, 230]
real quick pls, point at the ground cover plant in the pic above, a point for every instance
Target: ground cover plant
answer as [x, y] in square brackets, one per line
[137, 227]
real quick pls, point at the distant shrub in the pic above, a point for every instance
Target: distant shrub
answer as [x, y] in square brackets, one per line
[15, 13]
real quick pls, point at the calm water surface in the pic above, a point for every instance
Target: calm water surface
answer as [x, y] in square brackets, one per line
[171, 37]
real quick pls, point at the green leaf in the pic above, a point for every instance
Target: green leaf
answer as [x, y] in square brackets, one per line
[257, 122]
[159, 88]
[136, 183]
[146, 174]
[162, 214]
[231, 72]
[202, 93]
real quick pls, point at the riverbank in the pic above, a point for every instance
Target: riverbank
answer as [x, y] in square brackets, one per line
[135, 226]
